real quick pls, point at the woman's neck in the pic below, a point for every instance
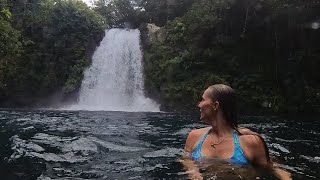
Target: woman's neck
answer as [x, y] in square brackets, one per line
[220, 127]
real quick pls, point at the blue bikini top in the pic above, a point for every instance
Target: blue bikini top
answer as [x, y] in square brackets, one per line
[238, 157]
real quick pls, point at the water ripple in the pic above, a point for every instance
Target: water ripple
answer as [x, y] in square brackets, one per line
[119, 145]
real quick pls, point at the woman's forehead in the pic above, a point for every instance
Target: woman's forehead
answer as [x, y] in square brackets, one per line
[207, 92]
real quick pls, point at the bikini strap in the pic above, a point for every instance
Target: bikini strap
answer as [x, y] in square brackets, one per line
[238, 155]
[236, 138]
[203, 138]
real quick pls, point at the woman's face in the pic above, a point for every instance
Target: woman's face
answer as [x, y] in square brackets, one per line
[206, 106]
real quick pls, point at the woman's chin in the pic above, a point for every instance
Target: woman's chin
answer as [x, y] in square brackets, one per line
[205, 120]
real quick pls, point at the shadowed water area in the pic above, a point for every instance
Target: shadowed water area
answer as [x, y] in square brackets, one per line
[121, 145]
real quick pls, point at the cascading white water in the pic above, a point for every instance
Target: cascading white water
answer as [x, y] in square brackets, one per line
[114, 82]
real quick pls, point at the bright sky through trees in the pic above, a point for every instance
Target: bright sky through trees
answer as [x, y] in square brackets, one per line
[89, 2]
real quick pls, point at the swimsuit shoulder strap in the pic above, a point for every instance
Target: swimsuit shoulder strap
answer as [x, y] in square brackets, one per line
[238, 155]
[203, 138]
[236, 138]
[237, 147]
[196, 155]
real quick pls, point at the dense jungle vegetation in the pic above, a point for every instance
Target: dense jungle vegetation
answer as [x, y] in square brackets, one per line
[44, 47]
[268, 50]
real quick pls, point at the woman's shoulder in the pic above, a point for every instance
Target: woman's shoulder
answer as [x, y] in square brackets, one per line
[254, 146]
[199, 132]
[194, 137]
[246, 131]
[249, 137]
[251, 140]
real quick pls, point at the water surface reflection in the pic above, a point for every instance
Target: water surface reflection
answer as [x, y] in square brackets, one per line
[121, 145]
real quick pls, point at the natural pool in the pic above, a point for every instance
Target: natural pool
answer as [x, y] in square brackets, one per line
[46, 144]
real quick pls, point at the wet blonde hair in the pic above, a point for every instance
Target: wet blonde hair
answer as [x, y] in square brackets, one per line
[226, 97]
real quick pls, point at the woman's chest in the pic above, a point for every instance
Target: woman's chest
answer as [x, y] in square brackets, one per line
[223, 150]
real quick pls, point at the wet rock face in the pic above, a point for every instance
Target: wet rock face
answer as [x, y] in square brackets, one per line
[150, 33]
[155, 33]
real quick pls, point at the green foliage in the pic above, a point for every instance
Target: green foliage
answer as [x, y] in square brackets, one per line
[135, 12]
[176, 32]
[65, 29]
[10, 44]
[118, 12]
[260, 93]
[5, 13]
[267, 50]
[159, 12]
[312, 99]
[50, 49]
[10, 50]
[188, 93]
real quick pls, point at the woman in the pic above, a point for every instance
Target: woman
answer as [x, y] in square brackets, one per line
[223, 139]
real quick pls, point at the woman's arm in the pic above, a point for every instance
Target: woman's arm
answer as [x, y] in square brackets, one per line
[190, 167]
[281, 174]
[261, 158]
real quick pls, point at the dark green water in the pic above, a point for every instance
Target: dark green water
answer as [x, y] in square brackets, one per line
[120, 145]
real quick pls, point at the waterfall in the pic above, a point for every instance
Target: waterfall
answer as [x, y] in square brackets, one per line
[115, 81]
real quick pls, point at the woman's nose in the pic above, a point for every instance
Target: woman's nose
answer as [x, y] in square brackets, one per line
[199, 104]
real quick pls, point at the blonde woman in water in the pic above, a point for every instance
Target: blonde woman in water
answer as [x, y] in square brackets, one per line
[223, 139]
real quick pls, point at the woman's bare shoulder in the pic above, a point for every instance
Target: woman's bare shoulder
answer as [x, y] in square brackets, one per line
[253, 146]
[199, 132]
[246, 131]
[250, 138]
[193, 137]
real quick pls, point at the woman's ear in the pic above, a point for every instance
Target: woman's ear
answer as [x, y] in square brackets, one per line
[215, 105]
